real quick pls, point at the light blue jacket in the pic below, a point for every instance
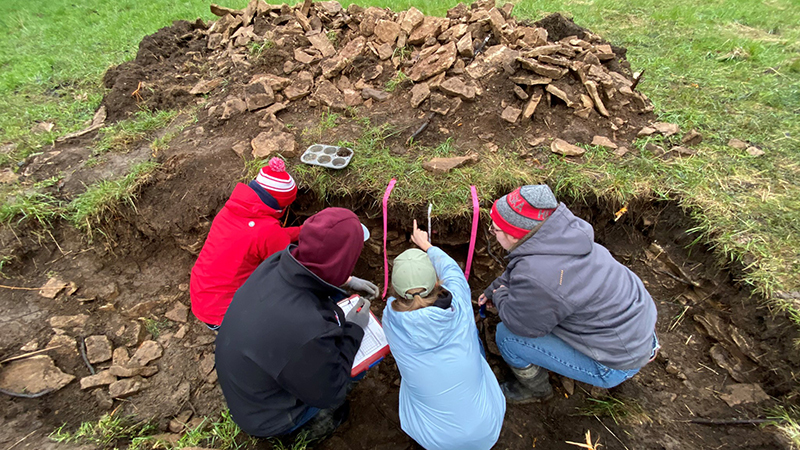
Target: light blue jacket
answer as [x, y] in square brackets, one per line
[449, 397]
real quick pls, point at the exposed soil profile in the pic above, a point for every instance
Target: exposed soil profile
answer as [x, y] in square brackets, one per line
[130, 284]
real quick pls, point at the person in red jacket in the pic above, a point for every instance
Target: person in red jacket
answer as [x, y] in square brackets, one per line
[245, 233]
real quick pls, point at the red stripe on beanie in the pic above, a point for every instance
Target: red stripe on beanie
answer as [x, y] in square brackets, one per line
[511, 230]
[523, 208]
[275, 180]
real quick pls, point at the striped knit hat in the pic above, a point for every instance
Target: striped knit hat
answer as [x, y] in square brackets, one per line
[275, 180]
[522, 209]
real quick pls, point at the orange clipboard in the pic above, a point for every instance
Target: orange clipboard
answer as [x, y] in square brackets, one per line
[374, 346]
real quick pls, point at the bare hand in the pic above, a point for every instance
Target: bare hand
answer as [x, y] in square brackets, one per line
[482, 300]
[420, 238]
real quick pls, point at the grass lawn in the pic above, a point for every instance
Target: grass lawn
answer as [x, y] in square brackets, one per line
[728, 68]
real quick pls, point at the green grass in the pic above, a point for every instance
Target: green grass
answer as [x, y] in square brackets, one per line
[621, 411]
[34, 205]
[787, 420]
[257, 48]
[398, 79]
[301, 442]
[376, 165]
[106, 432]
[155, 327]
[4, 260]
[105, 197]
[112, 431]
[121, 135]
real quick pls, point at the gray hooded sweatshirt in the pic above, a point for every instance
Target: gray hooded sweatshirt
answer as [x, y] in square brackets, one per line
[560, 281]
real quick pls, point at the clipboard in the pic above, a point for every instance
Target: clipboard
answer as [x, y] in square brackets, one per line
[374, 346]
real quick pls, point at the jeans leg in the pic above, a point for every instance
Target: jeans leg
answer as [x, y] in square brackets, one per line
[557, 356]
[307, 415]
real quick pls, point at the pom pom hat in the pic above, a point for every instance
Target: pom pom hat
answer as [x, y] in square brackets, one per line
[524, 208]
[275, 180]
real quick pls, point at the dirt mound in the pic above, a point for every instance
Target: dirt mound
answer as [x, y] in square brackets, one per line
[478, 67]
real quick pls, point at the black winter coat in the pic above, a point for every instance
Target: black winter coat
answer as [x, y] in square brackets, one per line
[283, 346]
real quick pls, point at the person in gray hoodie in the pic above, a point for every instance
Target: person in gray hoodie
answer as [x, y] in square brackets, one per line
[565, 303]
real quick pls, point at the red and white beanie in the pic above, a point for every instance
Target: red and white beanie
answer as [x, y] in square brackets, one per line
[275, 180]
[522, 209]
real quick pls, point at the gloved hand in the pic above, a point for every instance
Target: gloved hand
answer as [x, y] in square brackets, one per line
[359, 315]
[358, 284]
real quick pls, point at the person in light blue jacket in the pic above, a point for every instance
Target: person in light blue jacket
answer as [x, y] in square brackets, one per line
[449, 397]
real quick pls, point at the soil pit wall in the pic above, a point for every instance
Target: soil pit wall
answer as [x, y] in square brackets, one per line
[713, 335]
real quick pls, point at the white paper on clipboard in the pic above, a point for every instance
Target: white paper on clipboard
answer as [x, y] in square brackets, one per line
[374, 337]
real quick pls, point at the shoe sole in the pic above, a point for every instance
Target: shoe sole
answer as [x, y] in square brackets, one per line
[530, 400]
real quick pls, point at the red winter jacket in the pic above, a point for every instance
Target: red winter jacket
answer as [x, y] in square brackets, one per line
[242, 236]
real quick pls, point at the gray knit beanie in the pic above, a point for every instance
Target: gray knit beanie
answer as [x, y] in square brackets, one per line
[524, 208]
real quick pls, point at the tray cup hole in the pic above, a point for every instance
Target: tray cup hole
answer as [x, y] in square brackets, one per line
[330, 150]
[338, 161]
[344, 152]
[324, 159]
[315, 148]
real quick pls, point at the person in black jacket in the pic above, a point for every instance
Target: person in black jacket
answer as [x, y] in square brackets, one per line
[285, 350]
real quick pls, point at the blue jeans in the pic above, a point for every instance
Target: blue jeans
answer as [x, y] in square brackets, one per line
[312, 411]
[557, 356]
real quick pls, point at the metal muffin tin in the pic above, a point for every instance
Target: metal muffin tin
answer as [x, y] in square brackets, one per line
[330, 156]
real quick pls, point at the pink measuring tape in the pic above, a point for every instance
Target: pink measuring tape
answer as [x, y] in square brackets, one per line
[475, 217]
[385, 230]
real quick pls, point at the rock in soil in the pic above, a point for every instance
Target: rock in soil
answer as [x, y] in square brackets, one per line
[738, 144]
[52, 288]
[178, 313]
[33, 375]
[444, 165]
[64, 322]
[563, 147]
[148, 351]
[98, 349]
[102, 378]
[124, 388]
[738, 394]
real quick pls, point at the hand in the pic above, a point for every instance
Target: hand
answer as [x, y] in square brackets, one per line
[420, 238]
[358, 284]
[359, 315]
[483, 300]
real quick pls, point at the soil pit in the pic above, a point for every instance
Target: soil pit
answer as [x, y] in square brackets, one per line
[130, 287]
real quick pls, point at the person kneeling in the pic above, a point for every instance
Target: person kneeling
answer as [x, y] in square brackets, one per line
[285, 350]
[449, 397]
[565, 303]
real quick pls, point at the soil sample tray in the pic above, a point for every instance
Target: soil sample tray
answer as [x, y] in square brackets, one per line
[331, 156]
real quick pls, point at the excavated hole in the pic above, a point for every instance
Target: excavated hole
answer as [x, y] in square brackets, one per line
[138, 273]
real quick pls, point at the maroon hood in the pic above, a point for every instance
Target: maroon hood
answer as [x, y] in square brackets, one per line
[330, 243]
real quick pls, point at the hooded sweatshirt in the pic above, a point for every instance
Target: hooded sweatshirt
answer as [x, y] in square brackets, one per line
[449, 397]
[285, 345]
[244, 233]
[560, 281]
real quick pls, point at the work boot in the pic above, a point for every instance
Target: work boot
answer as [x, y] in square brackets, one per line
[532, 384]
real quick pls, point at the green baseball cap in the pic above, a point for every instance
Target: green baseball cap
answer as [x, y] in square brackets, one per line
[413, 270]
